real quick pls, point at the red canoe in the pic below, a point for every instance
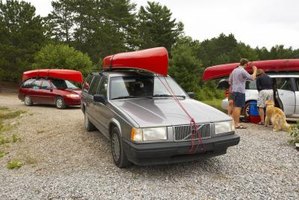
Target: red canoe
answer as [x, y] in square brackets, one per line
[282, 65]
[65, 74]
[154, 60]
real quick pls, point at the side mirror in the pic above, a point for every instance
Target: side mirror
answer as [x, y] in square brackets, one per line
[99, 98]
[191, 95]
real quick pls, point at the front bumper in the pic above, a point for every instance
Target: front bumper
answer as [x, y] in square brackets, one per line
[72, 101]
[174, 152]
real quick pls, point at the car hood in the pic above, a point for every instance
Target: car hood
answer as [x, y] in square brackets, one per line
[167, 112]
[68, 91]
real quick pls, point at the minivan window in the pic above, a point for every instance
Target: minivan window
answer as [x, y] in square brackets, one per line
[28, 83]
[37, 84]
[284, 84]
[45, 85]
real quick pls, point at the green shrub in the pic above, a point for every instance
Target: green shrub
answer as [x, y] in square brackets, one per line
[14, 164]
[294, 134]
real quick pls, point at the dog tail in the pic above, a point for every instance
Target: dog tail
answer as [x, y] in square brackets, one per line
[286, 126]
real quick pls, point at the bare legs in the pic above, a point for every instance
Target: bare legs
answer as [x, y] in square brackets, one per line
[262, 115]
[236, 115]
[230, 107]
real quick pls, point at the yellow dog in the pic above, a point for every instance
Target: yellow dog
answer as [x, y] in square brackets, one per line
[276, 116]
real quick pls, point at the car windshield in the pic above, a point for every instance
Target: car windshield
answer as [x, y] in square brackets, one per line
[143, 86]
[63, 84]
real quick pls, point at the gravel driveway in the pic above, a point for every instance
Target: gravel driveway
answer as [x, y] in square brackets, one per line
[63, 161]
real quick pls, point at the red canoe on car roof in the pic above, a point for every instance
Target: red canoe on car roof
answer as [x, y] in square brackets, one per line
[154, 60]
[219, 71]
[65, 74]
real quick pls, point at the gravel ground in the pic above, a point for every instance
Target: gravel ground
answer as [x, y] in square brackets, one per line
[63, 161]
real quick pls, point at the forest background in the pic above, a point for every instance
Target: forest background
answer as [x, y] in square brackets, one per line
[79, 34]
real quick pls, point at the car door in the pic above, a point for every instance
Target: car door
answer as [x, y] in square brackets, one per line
[34, 92]
[286, 92]
[46, 95]
[89, 105]
[102, 113]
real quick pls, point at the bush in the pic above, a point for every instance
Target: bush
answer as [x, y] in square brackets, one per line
[62, 56]
[294, 134]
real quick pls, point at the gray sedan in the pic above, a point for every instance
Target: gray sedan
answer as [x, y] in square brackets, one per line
[151, 120]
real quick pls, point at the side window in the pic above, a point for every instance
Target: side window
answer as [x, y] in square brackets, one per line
[284, 84]
[28, 83]
[45, 85]
[297, 83]
[102, 89]
[251, 85]
[37, 84]
[94, 85]
[87, 82]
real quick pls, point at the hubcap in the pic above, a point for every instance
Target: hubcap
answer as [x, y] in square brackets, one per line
[59, 103]
[115, 147]
[27, 100]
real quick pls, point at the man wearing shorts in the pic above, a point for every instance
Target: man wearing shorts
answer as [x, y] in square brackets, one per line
[265, 89]
[237, 80]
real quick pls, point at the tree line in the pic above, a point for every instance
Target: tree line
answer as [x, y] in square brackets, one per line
[79, 34]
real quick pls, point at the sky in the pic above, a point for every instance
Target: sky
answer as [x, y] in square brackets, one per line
[258, 23]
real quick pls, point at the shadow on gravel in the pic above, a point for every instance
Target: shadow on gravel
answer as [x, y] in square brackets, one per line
[206, 165]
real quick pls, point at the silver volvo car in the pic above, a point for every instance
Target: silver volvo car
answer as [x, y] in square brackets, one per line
[148, 119]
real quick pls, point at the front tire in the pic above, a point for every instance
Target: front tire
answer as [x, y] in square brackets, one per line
[60, 104]
[119, 157]
[28, 101]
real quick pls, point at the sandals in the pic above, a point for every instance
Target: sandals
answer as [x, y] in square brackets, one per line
[240, 127]
[261, 123]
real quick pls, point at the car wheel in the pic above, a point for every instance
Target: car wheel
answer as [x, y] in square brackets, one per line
[28, 101]
[245, 112]
[60, 103]
[118, 154]
[88, 125]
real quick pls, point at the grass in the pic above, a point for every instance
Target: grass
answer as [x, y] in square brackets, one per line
[216, 103]
[6, 113]
[2, 154]
[5, 138]
[14, 164]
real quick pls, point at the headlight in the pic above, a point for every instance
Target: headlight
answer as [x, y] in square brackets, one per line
[148, 134]
[74, 96]
[224, 127]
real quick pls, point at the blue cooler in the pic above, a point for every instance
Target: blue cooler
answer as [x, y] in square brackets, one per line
[254, 113]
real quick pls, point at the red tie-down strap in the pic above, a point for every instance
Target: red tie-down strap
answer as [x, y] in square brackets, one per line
[193, 125]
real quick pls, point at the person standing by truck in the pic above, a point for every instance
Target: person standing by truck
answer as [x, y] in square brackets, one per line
[264, 86]
[237, 80]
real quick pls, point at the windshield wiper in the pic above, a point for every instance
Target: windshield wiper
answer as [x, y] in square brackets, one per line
[168, 95]
[124, 97]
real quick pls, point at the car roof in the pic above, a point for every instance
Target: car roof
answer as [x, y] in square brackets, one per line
[283, 75]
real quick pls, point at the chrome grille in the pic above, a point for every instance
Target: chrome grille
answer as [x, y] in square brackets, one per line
[183, 133]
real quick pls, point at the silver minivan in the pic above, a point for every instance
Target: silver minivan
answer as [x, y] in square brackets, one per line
[286, 90]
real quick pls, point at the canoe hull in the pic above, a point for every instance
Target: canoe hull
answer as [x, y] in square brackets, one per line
[282, 65]
[65, 74]
[154, 60]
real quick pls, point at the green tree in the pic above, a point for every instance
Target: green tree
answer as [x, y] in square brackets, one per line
[62, 56]
[96, 27]
[21, 35]
[156, 26]
[60, 21]
[185, 67]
